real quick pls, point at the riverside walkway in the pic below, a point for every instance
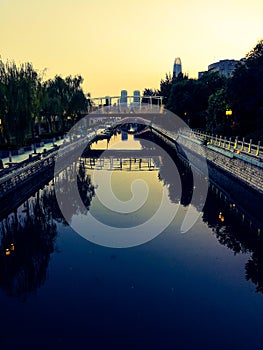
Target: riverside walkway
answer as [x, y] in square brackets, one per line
[238, 159]
[29, 153]
[42, 164]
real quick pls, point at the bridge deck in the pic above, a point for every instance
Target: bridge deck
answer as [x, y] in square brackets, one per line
[119, 153]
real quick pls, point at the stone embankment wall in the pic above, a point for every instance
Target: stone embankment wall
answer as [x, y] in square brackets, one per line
[239, 178]
[247, 171]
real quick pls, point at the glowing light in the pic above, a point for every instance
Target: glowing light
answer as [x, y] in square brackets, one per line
[7, 251]
[221, 217]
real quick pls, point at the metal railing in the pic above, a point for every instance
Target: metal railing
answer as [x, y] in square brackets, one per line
[26, 171]
[225, 154]
[232, 144]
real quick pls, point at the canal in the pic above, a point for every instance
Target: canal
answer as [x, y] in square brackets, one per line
[59, 288]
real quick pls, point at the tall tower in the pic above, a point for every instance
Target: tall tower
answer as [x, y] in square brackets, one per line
[177, 67]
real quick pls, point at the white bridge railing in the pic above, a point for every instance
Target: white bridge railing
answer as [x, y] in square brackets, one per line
[125, 104]
[232, 144]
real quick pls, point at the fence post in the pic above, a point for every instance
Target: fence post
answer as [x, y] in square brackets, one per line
[258, 147]
[242, 144]
[249, 146]
[235, 144]
[229, 145]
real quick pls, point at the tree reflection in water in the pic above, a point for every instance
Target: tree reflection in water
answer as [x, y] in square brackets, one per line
[226, 221]
[166, 174]
[65, 183]
[166, 171]
[232, 231]
[28, 236]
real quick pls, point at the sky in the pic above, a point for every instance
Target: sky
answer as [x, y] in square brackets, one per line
[130, 45]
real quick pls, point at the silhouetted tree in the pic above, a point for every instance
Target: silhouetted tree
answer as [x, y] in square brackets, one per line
[25, 101]
[18, 94]
[189, 99]
[150, 92]
[217, 122]
[245, 92]
[165, 87]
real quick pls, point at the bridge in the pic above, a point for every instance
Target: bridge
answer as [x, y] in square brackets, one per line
[114, 108]
[125, 102]
[120, 161]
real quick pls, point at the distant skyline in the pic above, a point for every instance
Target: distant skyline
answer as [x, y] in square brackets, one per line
[126, 45]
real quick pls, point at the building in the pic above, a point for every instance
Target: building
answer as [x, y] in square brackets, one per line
[177, 69]
[223, 67]
[136, 96]
[123, 99]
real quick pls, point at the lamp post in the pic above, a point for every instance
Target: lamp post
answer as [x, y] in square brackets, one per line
[187, 118]
[228, 115]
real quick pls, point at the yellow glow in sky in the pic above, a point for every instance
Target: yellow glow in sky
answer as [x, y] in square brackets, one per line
[118, 45]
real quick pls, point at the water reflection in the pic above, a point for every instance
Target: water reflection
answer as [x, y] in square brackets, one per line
[28, 235]
[219, 213]
[236, 234]
[66, 184]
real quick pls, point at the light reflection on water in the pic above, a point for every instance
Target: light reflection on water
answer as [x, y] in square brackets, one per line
[177, 291]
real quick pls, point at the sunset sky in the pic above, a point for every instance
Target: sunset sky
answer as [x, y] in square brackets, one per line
[130, 45]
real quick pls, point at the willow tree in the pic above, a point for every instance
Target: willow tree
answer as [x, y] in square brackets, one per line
[18, 100]
[77, 100]
[63, 98]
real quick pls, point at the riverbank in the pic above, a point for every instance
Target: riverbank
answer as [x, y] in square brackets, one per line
[23, 153]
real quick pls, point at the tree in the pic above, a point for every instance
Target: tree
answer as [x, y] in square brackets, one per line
[245, 92]
[64, 100]
[188, 99]
[165, 87]
[213, 81]
[18, 95]
[77, 100]
[217, 122]
[25, 100]
[150, 92]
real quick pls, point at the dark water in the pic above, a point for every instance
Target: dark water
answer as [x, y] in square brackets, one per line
[198, 290]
